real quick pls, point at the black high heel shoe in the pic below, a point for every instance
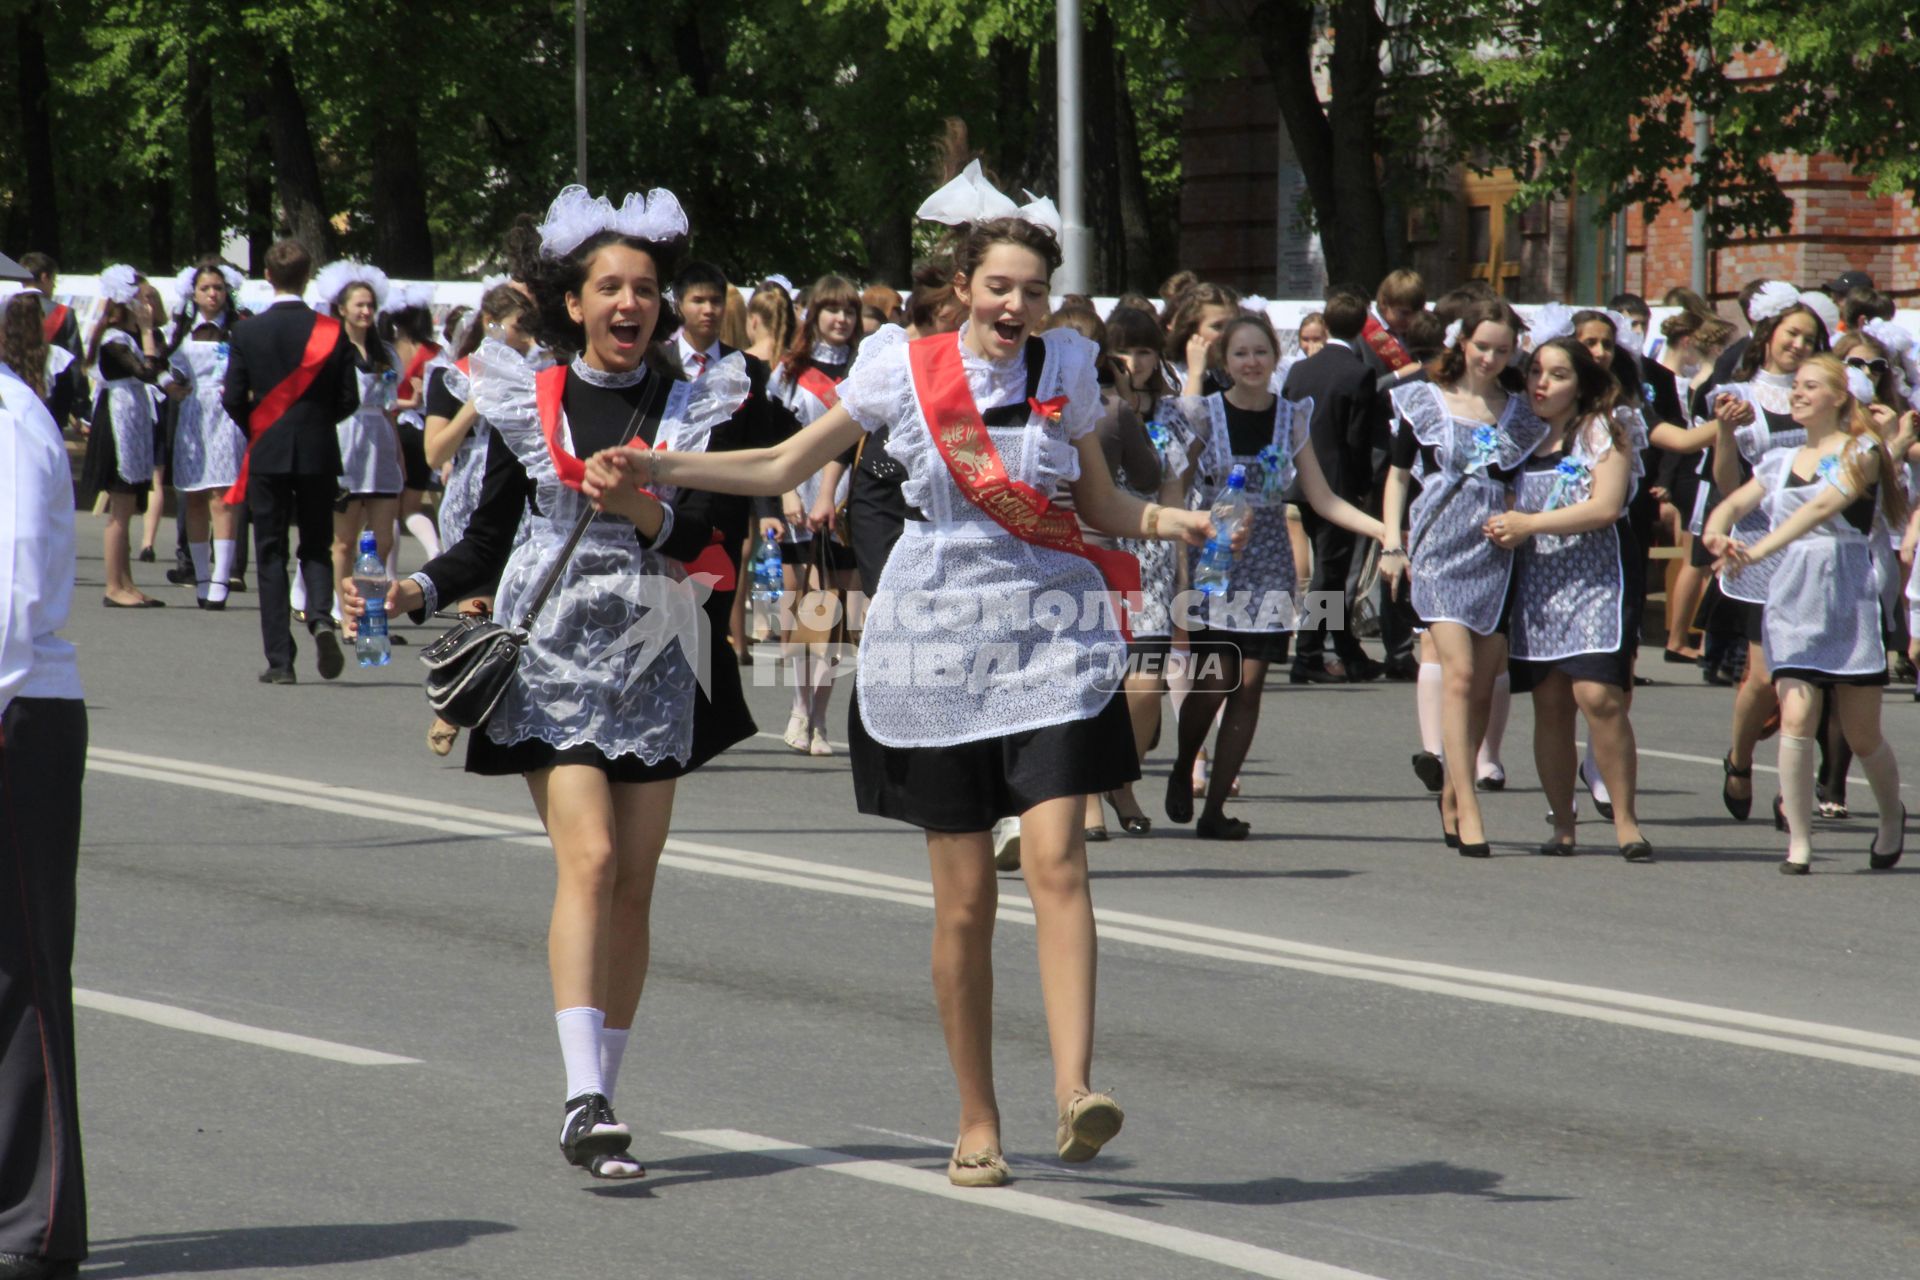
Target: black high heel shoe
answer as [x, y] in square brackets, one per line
[1637, 851]
[1481, 850]
[1451, 837]
[1137, 824]
[1888, 861]
[1740, 809]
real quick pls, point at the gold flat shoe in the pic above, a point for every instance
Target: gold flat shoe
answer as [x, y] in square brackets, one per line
[1089, 1123]
[983, 1168]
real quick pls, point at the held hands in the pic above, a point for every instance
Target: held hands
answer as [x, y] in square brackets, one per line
[1509, 529]
[824, 518]
[612, 470]
[1731, 411]
[1729, 554]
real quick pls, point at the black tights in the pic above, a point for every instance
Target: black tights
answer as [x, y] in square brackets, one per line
[1237, 682]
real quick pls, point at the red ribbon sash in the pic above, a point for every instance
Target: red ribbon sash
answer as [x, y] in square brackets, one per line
[410, 380]
[269, 408]
[819, 386]
[549, 386]
[1385, 345]
[940, 385]
[50, 323]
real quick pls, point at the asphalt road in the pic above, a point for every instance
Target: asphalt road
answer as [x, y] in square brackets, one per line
[1343, 1050]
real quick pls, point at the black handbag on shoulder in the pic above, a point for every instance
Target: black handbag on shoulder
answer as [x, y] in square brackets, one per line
[470, 666]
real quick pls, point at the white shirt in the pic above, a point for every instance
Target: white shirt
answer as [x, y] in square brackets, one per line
[1340, 342]
[36, 550]
[692, 359]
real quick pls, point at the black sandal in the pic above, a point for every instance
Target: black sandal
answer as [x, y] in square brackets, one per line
[1740, 809]
[1221, 828]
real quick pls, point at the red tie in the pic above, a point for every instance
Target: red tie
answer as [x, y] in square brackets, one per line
[699, 363]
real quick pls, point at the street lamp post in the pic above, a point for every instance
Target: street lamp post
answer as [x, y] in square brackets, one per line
[580, 92]
[1073, 274]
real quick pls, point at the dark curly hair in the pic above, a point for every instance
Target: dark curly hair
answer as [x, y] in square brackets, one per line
[552, 279]
[970, 243]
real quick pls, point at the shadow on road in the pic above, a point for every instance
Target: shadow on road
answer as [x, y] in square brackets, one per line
[240, 1248]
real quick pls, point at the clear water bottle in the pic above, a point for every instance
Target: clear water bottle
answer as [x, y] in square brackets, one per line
[767, 576]
[389, 389]
[370, 643]
[1213, 569]
[1230, 507]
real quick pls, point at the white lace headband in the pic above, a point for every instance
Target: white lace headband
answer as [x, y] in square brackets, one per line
[576, 216]
[120, 283]
[1775, 296]
[970, 198]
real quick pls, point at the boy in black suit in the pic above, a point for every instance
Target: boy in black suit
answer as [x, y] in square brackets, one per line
[290, 379]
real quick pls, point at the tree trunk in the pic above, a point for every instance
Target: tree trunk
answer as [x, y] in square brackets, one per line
[403, 240]
[259, 186]
[160, 221]
[1337, 149]
[296, 172]
[36, 129]
[1139, 270]
[1100, 146]
[203, 188]
[889, 246]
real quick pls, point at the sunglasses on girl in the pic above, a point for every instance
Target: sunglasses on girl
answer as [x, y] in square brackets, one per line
[1875, 368]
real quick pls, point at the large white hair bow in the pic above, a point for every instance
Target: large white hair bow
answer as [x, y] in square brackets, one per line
[777, 279]
[1625, 336]
[1824, 307]
[1774, 297]
[120, 283]
[575, 216]
[183, 285]
[403, 296]
[336, 276]
[1860, 386]
[970, 198]
[1550, 321]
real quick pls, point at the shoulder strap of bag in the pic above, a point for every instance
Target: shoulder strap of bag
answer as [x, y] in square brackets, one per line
[648, 407]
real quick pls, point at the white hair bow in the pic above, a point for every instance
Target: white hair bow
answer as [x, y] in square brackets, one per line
[1452, 338]
[782, 281]
[1625, 336]
[576, 216]
[1255, 303]
[1860, 386]
[401, 297]
[1774, 297]
[1553, 320]
[336, 276]
[120, 283]
[970, 198]
[184, 282]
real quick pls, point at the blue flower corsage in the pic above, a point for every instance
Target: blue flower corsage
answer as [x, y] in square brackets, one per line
[1273, 471]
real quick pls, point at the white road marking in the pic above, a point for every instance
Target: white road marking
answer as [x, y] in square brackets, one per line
[166, 1015]
[1247, 1258]
[1852, 1046]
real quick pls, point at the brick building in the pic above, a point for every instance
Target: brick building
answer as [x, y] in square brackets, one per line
[1243, 190]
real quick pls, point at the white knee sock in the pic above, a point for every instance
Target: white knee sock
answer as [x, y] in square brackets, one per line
[1501, 704]
[297, 592]
[613, 1046]
[223, 550]
[424, 533]
[580, 1030]
[201, 554]
[1797, 761]
[1883, 775]
[1427, 697]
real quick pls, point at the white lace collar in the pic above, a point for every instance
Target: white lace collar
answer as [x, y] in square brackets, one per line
[1765, 379]
[972, 360]
[828, 353]
[601, 378]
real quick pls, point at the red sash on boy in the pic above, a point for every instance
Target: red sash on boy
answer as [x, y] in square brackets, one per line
[960, 435]
[549, 387]
[50, 323]
[269, 408]
[1389, 348]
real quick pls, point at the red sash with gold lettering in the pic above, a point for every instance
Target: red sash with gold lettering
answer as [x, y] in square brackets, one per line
[51, 322]
[819, 386]
[549, 387]
[960, 435]
[1389, 348]
[270, 407]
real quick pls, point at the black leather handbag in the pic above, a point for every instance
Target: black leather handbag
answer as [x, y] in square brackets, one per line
[470, 666]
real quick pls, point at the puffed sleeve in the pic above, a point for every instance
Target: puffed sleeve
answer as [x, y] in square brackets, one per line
[877, 390]
[1079, 377]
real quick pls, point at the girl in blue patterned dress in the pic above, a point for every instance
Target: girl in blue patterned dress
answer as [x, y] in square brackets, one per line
[1467, 431]
[1573, 621]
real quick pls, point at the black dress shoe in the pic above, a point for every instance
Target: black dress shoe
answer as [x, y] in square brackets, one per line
[592, 1131]
[1318, 674]
[145, 556]
[1739, 808]
[1400, 669]
[1430, 770]
[1637, 851]
[1221, 828]
[1556, 848]
[1887, 861]
[1361, 669]
[278, 675]
[236, 583]
[328, 657]
[212, 606]
[181, 577]
[1481, 850]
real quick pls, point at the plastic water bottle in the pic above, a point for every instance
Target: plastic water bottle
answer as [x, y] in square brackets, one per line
[389, 389]
[370, 643]
[1213, 569]
[767, 575]
[1230, 507]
